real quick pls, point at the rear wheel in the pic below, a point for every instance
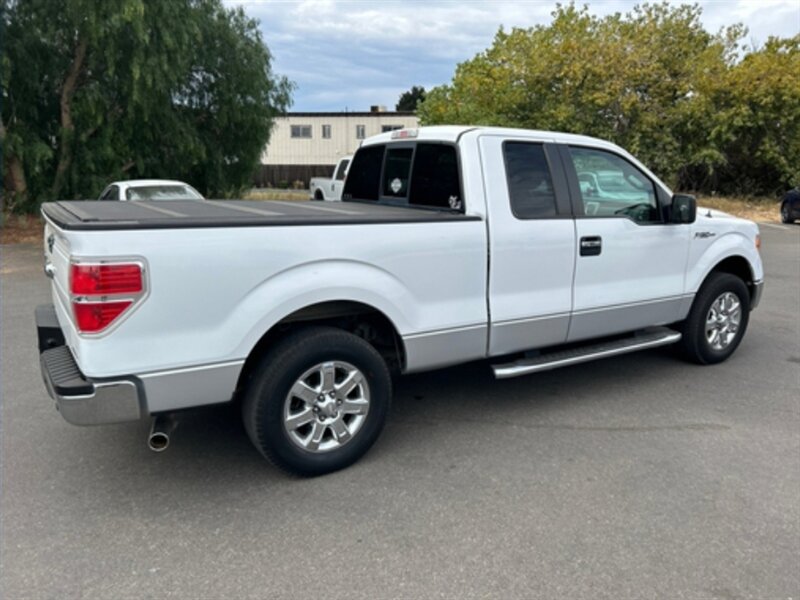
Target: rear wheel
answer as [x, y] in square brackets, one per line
[318, 401]
[718, 319]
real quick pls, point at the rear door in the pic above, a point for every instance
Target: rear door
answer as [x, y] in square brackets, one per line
[531, 241]
[630, 265]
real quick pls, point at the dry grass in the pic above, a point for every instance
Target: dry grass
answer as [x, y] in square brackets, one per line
[755, 209]
[270, 194]
[20, 229]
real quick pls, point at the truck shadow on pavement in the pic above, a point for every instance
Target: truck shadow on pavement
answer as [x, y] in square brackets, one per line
[466, 397]
[441, 421]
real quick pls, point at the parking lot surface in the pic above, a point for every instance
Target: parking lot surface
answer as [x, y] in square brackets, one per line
[640, 476]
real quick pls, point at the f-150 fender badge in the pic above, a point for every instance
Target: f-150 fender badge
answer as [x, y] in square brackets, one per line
[704, 234]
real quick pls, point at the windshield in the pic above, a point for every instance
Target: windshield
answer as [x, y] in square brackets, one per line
[162, 192]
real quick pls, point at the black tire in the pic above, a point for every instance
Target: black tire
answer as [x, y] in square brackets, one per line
[786, 216]
[282, 367]
[318, 195]
[695, 345]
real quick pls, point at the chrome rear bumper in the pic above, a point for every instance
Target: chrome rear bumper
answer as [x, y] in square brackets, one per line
[81, 400]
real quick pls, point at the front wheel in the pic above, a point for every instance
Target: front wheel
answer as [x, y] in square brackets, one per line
[718, 319]
[318, 401]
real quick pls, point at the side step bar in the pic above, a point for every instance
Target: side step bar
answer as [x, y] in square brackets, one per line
[649, 338]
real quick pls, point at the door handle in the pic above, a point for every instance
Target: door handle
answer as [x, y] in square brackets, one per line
[591, 245]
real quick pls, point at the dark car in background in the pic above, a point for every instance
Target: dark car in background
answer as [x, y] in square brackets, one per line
[790, 206]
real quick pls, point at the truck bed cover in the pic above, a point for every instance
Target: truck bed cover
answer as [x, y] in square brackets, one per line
[93, 215]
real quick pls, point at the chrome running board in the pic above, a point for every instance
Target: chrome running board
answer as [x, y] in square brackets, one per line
[649, 338]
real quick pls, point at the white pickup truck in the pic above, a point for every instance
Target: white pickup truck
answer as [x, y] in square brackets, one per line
[452, 244]
[322, 188]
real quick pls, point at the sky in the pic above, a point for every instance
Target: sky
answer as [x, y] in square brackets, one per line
[349, 55]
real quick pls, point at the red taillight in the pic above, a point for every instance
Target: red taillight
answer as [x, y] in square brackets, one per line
[102, 292]
[106, 279]
[96, 316]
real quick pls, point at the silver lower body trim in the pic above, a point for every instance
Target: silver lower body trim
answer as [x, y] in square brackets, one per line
[611, 320]
[758, 291]
[522, 334]
[434, 349]
[176, 389]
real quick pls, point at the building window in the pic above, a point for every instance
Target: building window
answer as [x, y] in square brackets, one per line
[361, 132]
[301, 131]
[385, 128]
[326, 132]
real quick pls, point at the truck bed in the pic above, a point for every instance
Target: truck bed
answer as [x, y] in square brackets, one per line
[92, 215]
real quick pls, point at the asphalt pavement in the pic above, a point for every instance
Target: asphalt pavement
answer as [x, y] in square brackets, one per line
[634, 477]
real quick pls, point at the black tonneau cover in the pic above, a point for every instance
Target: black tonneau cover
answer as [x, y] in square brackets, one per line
[93, 215]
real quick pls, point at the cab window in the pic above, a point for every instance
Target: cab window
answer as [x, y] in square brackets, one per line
[530, 186]
[424, 174]
[342, 170]
[610, 186]
[363, 178]
[111, 193]
[397, 172]
[435, 179]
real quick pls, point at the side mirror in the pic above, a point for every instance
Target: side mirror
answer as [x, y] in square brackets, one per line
[683, 209]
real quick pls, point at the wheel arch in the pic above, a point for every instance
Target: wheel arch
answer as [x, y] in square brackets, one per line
[363, 320]
[733, 252]
[738, 266]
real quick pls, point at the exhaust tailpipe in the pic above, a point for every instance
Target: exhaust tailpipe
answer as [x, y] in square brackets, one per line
[162, 428]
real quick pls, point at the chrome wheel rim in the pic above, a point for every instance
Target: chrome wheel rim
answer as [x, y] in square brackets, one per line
[723, 321]
[326, 406]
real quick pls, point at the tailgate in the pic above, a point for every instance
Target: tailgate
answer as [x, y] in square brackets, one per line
[56, 267]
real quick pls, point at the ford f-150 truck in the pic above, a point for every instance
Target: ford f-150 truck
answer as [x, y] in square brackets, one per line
[322, 188]
[533, 249]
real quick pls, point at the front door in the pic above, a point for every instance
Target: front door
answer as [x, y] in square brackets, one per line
[630, 265]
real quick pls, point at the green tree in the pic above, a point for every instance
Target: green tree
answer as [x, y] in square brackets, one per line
[652, 80]
[95, 91]
[410, 100]
[756, 123]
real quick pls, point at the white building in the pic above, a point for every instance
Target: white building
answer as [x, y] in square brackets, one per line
[309, 144]
[322, 138]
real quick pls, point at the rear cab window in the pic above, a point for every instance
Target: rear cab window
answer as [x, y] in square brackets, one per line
[416, 174]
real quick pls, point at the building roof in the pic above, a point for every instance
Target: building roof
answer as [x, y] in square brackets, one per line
[396, 113]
